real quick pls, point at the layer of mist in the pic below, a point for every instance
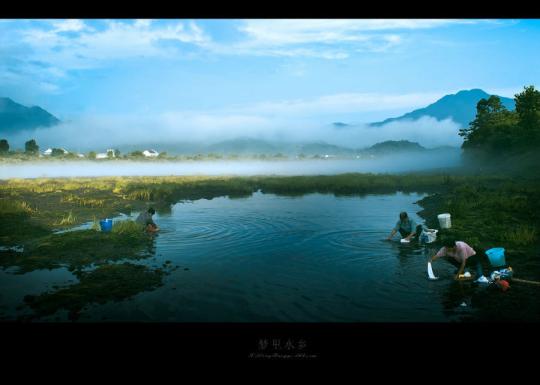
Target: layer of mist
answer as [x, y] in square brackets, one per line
[404, 162]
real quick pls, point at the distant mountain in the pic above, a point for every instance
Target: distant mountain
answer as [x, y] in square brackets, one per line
[260, 146]
[15, 117]
[250, 146]
[243, 146]
[394, 146]
[460, 107]
[339, 125]
[322, 148]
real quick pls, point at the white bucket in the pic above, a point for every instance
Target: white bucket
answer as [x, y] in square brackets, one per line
[444, 221]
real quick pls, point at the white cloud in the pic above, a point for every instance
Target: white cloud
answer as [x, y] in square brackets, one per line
[68, 25]
[323, 38]
[340, 104]
[118, 40]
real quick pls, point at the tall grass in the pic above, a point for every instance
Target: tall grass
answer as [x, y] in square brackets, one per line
[82, 201]
[67, 220]
[127, 227]
[522, 235]
[95, 225]
[16, 207]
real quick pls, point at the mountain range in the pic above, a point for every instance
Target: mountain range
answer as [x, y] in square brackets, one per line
[460, 107]
[16, 117]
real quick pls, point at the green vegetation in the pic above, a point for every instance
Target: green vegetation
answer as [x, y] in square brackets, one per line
[113, 282]
[487, 215]
[128, 228]
[31, 147]
[57, 152]
[78, 249]
[67, 220]
[521, 235]
[498, 136]
[4, 146]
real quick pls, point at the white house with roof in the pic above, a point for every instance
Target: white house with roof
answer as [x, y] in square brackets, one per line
[105, 155]
[151, 153]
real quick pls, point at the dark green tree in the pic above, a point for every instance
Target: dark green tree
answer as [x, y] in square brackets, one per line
[136, 153]
[57, 152]
[528, 111]
[4, 146]
[493, 129]
[31, 147]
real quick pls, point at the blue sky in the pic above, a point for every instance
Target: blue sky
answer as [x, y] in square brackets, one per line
[231, 74]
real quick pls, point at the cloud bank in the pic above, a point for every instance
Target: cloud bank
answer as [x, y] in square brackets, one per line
[99, 133]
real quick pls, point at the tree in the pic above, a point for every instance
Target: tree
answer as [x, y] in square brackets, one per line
[493, 129]
[528, 110]
[57, 152]
[31, 147]
[92, 155]
[4, 146]
[116, 153]
[136, 154]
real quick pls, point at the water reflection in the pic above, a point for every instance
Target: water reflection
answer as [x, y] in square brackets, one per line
[316, 258]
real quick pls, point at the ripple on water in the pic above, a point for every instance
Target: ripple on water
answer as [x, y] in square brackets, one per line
[236, 232]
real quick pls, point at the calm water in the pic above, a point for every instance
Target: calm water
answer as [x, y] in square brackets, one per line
[273, 258]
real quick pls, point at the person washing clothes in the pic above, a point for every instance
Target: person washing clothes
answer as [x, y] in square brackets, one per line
[407, 227]
[461, 255]
[146, 221]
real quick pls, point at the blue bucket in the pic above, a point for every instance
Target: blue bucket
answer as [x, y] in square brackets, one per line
[496, 256]
[106, 225]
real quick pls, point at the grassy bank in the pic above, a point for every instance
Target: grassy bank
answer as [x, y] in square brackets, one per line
[77, 250]
[484, 215]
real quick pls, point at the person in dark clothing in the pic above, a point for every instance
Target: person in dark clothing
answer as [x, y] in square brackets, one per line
[146, 221]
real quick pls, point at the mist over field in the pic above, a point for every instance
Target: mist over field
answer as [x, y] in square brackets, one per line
[385, 164]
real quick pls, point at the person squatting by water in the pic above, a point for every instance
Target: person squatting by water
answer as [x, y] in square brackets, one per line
[146, 221]
[407, 227]
[462, 255]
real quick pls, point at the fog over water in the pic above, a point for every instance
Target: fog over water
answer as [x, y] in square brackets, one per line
[387, 164]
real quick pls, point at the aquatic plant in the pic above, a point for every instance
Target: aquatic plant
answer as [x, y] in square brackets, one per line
[78, 249]
[106, 283]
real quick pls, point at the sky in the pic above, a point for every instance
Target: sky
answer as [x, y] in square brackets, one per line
[204, 79]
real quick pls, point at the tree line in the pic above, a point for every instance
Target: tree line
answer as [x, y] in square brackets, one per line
[30, 147]
[498, 132]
